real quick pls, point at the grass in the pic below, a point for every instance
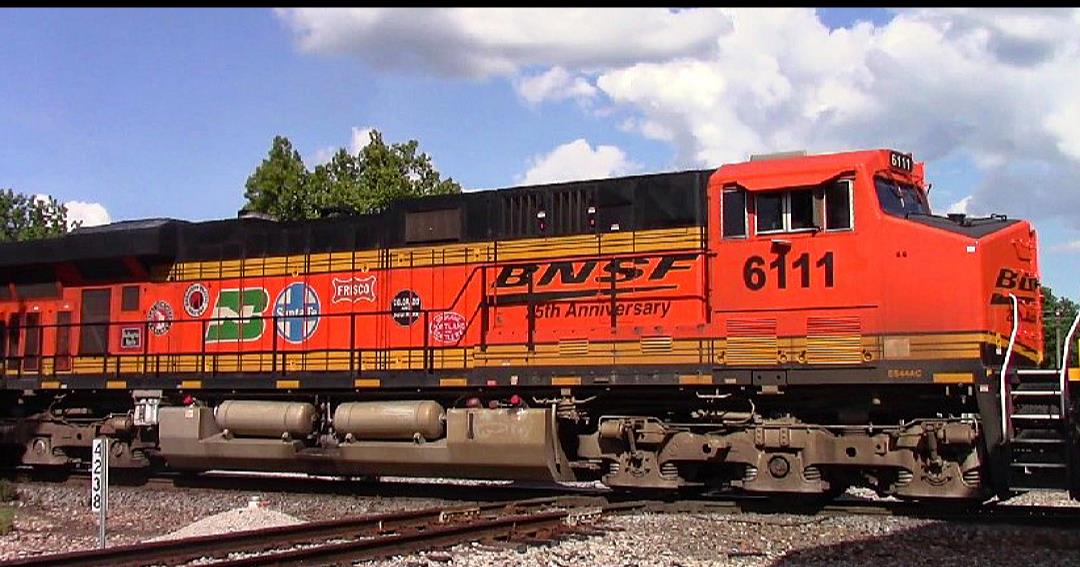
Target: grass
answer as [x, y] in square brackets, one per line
[7, 513]
[7, 519]
[7, 491]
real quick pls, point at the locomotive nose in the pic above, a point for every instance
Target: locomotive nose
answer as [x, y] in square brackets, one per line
[1009, 260]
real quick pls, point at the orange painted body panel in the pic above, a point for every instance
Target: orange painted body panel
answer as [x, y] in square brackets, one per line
[885, 276]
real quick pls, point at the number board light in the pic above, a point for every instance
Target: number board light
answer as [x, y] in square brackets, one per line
[902, 162]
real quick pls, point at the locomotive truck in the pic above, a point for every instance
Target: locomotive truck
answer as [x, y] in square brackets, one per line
[792, 325]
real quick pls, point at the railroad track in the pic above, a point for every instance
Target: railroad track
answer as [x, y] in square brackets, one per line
[516, 522]
[352, 539]
[665, 503]
[995, 513]
[307, 484]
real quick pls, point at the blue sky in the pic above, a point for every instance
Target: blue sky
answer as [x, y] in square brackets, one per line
[166, 112]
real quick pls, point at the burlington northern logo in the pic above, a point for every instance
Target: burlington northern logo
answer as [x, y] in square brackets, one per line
[238, 315]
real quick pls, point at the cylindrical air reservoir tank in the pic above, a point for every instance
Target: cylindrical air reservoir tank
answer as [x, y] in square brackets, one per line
[391, 420]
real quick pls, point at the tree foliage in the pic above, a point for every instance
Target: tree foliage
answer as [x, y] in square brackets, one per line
[282, 186]
[1058, 314]
[30, 217]
[278, 187]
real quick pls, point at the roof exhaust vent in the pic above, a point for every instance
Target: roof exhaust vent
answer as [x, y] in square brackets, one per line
[246, 213]
[777, 155]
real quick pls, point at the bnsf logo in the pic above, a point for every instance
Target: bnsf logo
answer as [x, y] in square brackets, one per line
[616, 270]
[1009, 279]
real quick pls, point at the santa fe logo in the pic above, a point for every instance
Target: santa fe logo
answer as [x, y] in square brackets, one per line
[237, 315]
[297, 310]
[354, 289]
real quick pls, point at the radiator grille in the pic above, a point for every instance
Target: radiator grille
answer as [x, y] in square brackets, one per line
[655, 345]
[573, 347]
[833, 340]
[751, 341]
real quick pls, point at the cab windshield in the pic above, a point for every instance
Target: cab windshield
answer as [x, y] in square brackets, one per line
[900, 199]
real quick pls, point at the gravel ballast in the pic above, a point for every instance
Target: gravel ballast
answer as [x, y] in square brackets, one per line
[235, 520]
[55, 517]
[699, 540]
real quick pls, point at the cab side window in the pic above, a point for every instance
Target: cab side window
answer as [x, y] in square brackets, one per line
[786, 211]
[838, 212]
[734, 211]
[822, 207]
[770, 211]
[801, 210]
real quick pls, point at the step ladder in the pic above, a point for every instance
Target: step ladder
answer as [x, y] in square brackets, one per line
[1036, 425]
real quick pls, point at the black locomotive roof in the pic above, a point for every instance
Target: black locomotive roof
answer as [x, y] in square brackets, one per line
[635, 202]
[143, 238]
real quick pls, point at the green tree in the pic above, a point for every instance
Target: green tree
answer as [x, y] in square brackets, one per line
[335, 185]
[28, 218]
[278, 186]
[367, 182]
[388, 173]
[1058, 314]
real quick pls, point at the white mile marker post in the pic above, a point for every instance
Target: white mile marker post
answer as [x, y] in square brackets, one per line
[99, 485]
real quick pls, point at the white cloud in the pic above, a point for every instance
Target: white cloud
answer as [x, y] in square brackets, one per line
[960, 206]
[555, 84]
[480, 42]
[361, 137]
[91, 214]
[577, 160]
[1071, 246]
[358, 139]
[998, 88]
[322, 155]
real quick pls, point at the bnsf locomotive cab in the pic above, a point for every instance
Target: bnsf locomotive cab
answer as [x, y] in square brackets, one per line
[843, 250]
[789, 325]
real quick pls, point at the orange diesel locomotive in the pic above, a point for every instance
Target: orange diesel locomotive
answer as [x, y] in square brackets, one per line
[798, 324]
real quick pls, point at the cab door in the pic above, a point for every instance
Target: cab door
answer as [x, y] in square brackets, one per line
[94, 322]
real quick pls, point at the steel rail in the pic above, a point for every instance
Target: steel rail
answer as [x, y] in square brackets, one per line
[514, 526]
[188, 549]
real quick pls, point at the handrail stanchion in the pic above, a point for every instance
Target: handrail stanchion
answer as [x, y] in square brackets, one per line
[427, 326]
[105, 353]
[1005, 366]
[1063, 380]
[352, 342]
[273, 344]
[202, 354]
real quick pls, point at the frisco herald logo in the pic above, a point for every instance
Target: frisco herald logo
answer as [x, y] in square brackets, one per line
[354, 289]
